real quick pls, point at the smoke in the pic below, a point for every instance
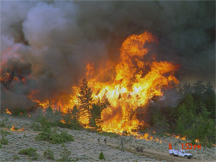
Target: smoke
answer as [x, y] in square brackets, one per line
[57, 39]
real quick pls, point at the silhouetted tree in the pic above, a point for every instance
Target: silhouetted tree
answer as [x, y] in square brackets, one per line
[85, 99]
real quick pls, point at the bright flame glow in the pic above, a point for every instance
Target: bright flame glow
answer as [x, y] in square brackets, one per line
[134, 84]
[8, 112]
[19, 130]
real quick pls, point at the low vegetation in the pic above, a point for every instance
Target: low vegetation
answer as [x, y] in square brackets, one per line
[16, 157]
[31, 152]
[5, 133]
[101, 156]
[193, 115]
[4, 141]
[65, 155]
[52, 136]
[2, 123]
[48, 154]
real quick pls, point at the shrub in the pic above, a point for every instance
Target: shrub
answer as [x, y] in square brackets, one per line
[48, 154]
[53, 137]
[101, 156]
[16, 157]
[4, 141]
[5, 133]
[2, 124]
[0, 146]
[19, 111]
[65, 155]
[36, 127]
[31, 152]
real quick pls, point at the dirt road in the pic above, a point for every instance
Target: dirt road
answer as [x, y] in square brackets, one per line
[157, 155]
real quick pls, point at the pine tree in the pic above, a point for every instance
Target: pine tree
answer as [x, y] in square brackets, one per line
[101, 156]
[85, 99]
[210, 100]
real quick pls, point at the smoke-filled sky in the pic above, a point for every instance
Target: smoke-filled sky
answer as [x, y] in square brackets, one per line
[50, 43]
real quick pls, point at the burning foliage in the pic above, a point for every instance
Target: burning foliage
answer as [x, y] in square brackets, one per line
[135, 83]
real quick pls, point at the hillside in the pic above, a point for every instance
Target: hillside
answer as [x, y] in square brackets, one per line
[86, 147]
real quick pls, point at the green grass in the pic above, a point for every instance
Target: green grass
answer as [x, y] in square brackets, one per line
[108, 134]
[161, 134]
[31, 152]
[5, 133]
[53, 137]
[4, 141]
[65, 155]
[118, 147]
[16, 157]
[48, 154]
[2, 124]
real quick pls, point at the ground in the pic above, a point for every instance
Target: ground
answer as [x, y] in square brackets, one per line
[86, 147]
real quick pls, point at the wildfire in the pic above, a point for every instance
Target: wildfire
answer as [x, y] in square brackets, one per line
[8, 112]
[132, 87]
[19, 130]
[62, 121]
[127, 85]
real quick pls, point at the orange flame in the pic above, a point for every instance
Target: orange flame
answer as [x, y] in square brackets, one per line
[19, 130]
[127, 85]
[183, 138]
[8, 112]
[197, 140]
[62, 121]
[135, 83]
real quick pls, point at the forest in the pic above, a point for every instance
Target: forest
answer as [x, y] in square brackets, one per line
[193, 117]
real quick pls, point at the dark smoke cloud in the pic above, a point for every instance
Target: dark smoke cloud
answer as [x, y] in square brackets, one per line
[58, 38]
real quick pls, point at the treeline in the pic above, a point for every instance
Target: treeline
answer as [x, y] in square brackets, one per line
[194, 117]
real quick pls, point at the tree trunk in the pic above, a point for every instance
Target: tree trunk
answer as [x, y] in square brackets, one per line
[122, 142]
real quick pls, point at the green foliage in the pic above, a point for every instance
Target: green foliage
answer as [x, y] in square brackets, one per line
[31, 152]
[65, 155]
[85, 99]
[48, 120]
[160, 122]
[101, 156]
[210, 100]
[0, 146]
[96, 112]
[19, 111]
[194, 118]
[71, 119]
[4, 141]
[161, 134]
[2, 124]
[48, 154]
[53, 137]
[16, 157]
[36, 127]
[5, 133]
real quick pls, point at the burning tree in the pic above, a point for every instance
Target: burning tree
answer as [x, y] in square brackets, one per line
[85, 102]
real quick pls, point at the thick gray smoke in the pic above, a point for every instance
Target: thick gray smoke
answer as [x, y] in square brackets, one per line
[53, 41]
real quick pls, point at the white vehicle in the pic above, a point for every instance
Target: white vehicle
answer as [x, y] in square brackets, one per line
[181, 153]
